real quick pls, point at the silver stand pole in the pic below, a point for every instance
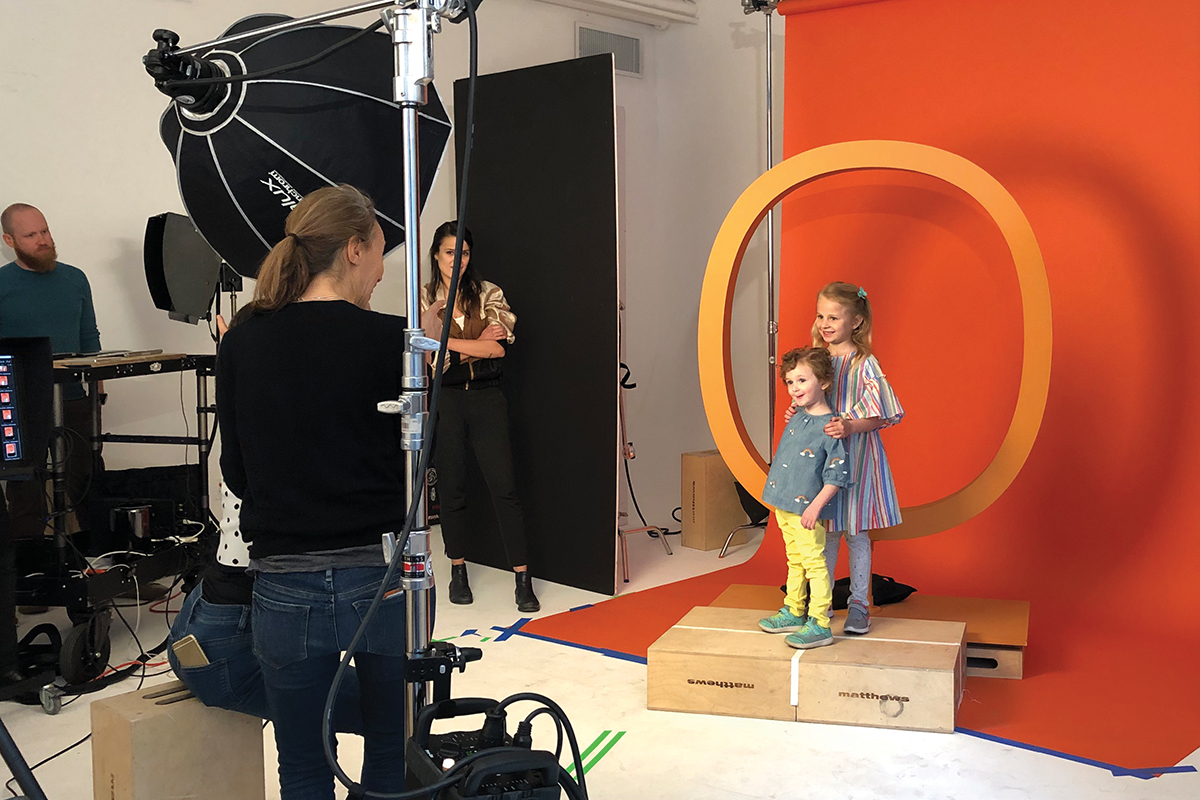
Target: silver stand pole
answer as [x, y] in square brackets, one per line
[772, 327]
[412, 29]
[412, 24]
[768, 7]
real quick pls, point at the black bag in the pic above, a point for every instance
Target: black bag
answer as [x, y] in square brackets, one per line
[884, 591]
[755, 510]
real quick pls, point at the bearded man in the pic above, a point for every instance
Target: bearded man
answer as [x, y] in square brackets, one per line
[40, 296]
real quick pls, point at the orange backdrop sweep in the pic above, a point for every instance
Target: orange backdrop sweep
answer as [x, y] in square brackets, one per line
[1087, 112]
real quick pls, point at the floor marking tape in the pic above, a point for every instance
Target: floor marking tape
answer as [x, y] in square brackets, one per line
[796, 678]
[588, 751]
[601, 650]
[588, 766]
[1144, 774]
[507, 633]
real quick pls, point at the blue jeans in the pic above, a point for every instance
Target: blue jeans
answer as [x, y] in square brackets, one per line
[232, 678]
[302, 623]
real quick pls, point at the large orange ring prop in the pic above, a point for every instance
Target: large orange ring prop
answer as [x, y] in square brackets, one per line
[716, 307]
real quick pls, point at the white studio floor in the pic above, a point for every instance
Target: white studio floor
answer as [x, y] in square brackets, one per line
[640, 753]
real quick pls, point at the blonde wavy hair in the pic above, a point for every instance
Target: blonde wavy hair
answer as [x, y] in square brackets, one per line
[854, 299]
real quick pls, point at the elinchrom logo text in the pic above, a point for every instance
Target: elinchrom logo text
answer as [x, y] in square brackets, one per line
[279, 187]
[720, 684]
[873, 696]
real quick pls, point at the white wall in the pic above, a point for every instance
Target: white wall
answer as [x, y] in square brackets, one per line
[79, 139]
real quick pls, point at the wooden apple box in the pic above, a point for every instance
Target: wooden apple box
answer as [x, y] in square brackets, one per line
[997, 630]
[161, 742]
[905, 674]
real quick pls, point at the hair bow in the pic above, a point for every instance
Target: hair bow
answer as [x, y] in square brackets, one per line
[862, 293]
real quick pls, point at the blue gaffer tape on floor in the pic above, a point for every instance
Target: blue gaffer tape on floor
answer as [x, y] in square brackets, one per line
[1144, 774]
[515, 630]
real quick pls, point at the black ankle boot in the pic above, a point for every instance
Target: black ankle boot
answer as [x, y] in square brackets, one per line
[526, 599]
[460, 589]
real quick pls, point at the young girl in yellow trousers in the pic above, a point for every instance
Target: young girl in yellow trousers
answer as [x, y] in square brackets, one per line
[808, 471]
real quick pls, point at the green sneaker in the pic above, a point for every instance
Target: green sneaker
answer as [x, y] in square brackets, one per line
[783, 621]
[811, 635]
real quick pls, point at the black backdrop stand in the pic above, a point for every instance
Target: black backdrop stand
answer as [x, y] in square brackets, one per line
[543, 212]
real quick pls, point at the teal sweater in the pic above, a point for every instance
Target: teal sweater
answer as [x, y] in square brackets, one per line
[57, 304]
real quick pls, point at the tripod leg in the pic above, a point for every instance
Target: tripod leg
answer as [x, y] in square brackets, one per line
[18, 766]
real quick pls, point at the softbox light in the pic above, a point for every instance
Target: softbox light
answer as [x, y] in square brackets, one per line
[182, 271]
[245, 164]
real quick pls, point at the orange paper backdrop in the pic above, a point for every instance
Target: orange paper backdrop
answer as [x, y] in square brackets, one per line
[1088, 112]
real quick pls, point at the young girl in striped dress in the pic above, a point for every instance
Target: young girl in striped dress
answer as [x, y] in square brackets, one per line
[863, 402]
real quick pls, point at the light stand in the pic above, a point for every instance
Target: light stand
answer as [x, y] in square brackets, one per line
[767, 7]
[19, 767]
[412, 24]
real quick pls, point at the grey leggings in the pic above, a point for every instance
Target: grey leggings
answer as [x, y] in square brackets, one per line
[859, 545]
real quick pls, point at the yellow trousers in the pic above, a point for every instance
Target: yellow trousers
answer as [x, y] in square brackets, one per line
[807, 574]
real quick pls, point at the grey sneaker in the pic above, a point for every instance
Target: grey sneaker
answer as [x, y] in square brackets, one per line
[858, 619]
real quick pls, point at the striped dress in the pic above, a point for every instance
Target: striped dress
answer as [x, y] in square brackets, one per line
[859, 392]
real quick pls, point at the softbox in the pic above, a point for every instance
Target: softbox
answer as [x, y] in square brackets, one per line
[244, 165]
[182, 271]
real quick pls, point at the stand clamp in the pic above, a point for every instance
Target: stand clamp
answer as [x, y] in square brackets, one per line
[436, 664]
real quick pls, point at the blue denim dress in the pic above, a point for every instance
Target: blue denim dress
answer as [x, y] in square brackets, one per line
[806, 460]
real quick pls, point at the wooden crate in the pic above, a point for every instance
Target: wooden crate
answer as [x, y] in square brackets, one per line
[906, 674]
[997, 630]
[161, 742]
[710, 503]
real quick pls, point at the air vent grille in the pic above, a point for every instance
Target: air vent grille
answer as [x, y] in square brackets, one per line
[626, 50]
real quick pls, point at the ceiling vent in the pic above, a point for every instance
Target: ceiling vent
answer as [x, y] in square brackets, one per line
[659, 13]
[626, 50]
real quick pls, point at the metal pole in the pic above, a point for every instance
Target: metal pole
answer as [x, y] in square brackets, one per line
[292, 24]
[772, 328]
[59, 473]
[412, 32]
[202, 435]
[19, 767]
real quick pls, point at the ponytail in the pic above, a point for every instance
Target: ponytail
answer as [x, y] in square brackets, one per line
[318, 230]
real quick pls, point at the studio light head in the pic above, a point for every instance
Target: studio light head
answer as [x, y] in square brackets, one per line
[247, 151]
[175, 75]
[754, 6]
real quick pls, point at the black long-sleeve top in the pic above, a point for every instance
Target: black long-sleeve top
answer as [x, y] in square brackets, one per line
[317, 466]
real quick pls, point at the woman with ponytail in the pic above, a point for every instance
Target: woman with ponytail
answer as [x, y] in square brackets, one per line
[321, 476]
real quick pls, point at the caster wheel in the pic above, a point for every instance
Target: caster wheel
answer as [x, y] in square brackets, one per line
[52, 699]
[85, 650]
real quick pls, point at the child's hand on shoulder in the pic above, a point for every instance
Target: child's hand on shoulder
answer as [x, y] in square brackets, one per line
[837, 428]
[790, 412]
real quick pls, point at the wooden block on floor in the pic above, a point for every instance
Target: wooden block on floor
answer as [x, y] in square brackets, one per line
[906, 674]
[743, 595]
[997, 630]
[160, 742]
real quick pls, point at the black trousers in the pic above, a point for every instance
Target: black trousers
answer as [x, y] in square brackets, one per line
[476, 421]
